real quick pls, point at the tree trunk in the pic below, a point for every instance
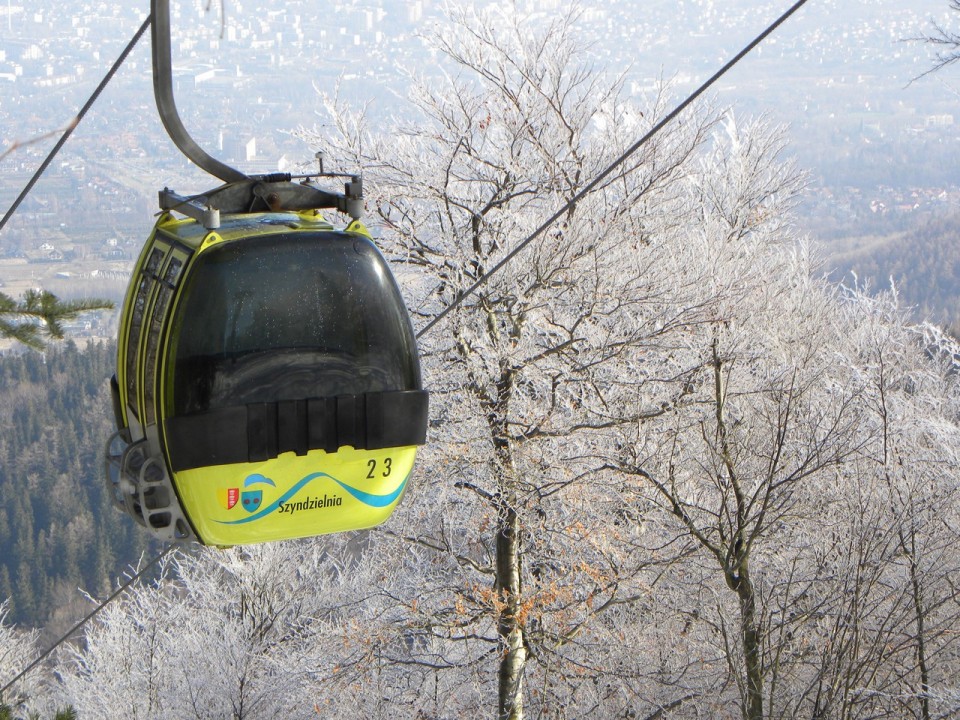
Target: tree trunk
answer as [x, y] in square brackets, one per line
[512, 642]
[917, 597]
[736, 562]
[751, 637]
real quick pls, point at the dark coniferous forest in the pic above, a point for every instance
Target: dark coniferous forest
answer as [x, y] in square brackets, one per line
[58, 532]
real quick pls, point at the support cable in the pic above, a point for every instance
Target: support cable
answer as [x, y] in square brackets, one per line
[93, 613]
[76, 121]
[589, 187]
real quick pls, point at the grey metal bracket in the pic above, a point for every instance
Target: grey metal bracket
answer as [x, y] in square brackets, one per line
[195, 207]
[138, 484]
[273, 193]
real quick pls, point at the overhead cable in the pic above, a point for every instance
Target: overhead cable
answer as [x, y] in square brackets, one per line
[76, 121]
[589, 187]
[93, 613]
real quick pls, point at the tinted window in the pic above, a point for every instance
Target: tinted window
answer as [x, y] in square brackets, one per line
[146, 286]
[289, 317]
[170, 277]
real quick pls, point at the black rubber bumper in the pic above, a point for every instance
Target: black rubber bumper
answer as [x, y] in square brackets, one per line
[261, 431]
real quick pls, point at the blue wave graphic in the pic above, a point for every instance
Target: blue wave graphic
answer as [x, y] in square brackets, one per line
[377, 501]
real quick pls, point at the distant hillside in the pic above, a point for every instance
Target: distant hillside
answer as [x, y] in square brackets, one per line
[923, 262]
[58, 532]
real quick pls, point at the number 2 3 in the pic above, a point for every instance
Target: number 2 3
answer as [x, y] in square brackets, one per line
[372, 465]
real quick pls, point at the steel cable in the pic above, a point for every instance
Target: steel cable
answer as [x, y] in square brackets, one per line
[76, 121]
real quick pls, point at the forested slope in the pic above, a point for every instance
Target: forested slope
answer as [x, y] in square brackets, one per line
[923, 263]
[58, 531]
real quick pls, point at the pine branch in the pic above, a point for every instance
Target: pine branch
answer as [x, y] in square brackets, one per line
[41, 312]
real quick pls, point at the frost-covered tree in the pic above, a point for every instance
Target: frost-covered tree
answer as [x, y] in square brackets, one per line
[638, 421]
[238, 633]
[886, 591]
[17, 650]
[537, 379]
[765, 409]
[813, 467]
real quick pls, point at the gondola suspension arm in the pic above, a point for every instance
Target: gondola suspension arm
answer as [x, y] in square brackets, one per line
[241, 193]
[163, 92]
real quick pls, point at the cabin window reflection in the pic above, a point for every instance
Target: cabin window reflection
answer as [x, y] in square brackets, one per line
[290, 317]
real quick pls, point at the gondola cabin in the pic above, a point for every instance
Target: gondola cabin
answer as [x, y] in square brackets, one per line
[268, 384]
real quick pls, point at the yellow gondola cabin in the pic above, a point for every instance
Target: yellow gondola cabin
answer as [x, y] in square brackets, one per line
[268, 384]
